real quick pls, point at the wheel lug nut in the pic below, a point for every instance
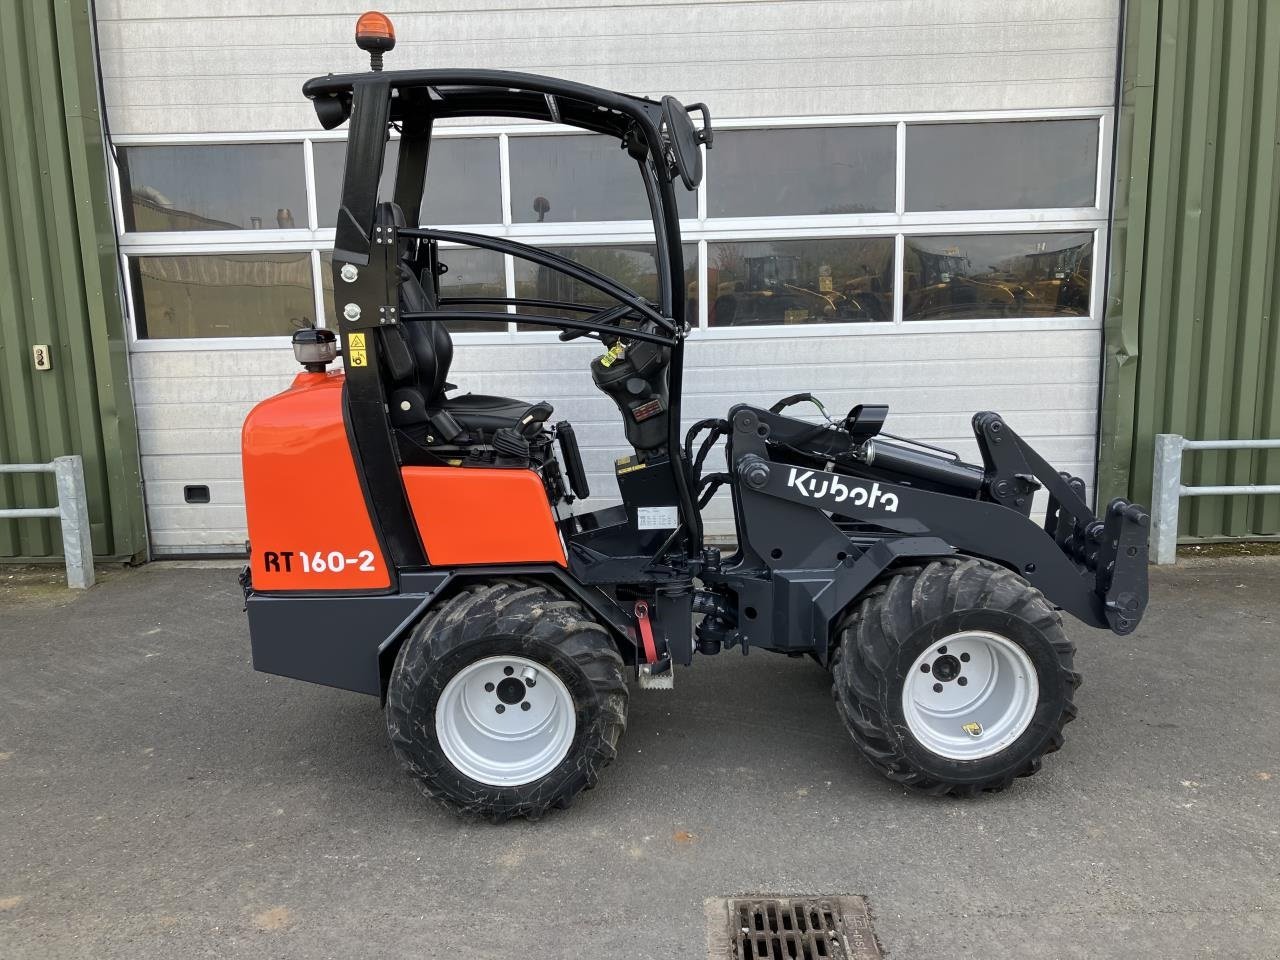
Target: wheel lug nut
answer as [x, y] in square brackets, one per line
[925, 668]
[937, 688]
[962, 680]
[500, 708]
[964, 657]
[508, 670]
[529, 676]
[941, 650]
[488, 688]
[525, 705]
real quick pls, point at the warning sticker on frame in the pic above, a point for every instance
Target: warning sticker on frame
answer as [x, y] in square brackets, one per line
[358, 356]
[657, 518]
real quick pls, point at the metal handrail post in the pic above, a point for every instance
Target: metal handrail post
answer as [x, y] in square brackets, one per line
[72, 512]
[1166, 487]
[73, 504]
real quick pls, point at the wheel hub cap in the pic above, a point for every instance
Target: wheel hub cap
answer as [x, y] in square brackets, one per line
[505, 721]
[970, 695]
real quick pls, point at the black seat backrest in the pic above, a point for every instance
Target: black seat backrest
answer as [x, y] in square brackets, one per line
[417, 353]
[429, 340]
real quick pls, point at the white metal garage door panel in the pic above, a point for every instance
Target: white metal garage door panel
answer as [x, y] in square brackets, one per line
[191, 404]
[762, 58]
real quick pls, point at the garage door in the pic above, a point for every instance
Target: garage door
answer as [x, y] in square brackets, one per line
[932, 240]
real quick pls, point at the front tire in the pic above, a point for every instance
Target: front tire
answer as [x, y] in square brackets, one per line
[955, 678]
[507, 700]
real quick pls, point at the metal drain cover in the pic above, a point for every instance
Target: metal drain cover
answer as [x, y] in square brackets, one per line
[791, 928]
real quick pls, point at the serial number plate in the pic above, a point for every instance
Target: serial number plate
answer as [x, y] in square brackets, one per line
[657, 518]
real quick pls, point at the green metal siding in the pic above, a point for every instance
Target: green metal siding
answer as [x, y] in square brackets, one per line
[1193, 325]
[60, 285]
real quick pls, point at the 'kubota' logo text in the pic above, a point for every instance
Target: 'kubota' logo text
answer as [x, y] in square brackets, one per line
[825, 485]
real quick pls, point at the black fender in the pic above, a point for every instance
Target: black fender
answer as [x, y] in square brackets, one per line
[350, 642]
[446, 581]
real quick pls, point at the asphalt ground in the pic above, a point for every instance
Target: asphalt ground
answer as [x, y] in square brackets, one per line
[160, 799]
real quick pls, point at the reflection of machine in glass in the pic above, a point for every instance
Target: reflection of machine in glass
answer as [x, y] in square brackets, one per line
[784, 289]
[772, 272]
[1057, 281]
[942, 284]
[1046, 282]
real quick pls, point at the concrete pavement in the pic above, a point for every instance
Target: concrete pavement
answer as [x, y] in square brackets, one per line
[159, 799]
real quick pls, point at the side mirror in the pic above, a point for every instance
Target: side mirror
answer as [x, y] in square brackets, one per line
[684, 140]
[332, 111]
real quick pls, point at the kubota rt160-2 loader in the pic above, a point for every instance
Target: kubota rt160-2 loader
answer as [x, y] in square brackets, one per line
[446, 571]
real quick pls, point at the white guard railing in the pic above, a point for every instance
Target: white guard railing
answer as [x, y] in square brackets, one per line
[1168, 487]
[72, 510]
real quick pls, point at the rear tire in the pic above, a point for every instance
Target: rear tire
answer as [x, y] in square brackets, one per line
[470, 727]
[996, 714]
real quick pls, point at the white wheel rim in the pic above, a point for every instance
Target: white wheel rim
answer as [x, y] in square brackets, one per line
[970, 695]
[516, 744]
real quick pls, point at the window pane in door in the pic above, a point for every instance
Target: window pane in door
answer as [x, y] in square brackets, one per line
[801, 171]
[576, 178]
[997, 275]
[213, 186]
[222, 295]
[1014, 165]
[765, 282]
[462, 187]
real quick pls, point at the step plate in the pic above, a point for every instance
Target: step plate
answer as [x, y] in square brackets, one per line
[666, 680]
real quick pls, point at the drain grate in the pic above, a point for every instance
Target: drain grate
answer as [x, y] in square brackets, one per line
[800, 928]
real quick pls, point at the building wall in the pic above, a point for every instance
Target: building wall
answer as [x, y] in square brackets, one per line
[61, 286]
[1193, 334]
[175, 69]
[173, 66]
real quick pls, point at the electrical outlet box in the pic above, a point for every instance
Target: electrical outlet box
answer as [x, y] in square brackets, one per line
[41, 357]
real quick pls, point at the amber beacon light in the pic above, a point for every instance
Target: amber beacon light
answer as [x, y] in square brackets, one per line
[375, 34]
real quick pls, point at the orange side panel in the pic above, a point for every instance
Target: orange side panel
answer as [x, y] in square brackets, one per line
[482, 515]
[309, 528]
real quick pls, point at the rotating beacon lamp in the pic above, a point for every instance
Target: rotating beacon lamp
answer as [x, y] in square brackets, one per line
[376, 35]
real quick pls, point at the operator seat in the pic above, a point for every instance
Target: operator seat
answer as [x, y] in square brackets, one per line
[417, 355]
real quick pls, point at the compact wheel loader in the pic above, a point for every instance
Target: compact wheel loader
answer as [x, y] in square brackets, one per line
[447, 572]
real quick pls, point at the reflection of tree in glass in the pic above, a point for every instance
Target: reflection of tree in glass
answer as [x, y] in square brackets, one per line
[729, 259]
[633, 267]
[628, 266]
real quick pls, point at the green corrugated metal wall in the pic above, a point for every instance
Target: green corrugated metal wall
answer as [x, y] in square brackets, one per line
[1193, 325]
[60, 284]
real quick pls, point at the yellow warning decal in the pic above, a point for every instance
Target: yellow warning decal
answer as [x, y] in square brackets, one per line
[359, 357]
[614, 354]
[972, 728]
[628, 465]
